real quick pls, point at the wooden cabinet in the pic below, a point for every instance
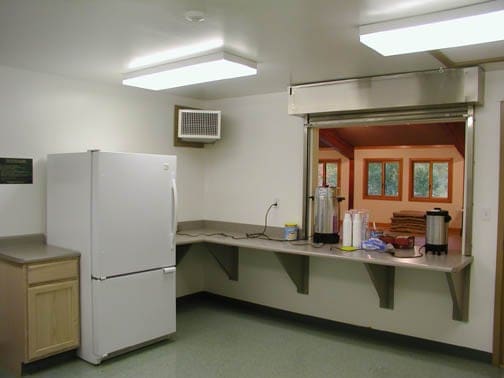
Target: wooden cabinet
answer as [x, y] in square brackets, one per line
[53, 318]
[40, 304]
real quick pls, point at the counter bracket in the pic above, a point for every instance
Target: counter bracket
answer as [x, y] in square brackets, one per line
[298, 269]
[382, 277]
[459, 283]
[181, 251]
[227, 257]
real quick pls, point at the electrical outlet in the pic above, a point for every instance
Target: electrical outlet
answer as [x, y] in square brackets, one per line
[276, 201]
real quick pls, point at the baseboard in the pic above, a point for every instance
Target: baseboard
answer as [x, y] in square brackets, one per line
[192, 298]
[364, 332]
[48, 362]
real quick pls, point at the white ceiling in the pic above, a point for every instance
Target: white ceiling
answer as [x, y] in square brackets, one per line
[293, 41]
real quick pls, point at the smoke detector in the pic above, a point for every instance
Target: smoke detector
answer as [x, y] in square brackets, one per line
[194, 16]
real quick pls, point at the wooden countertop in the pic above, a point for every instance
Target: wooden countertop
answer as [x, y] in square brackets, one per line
[450, 263]
[31, 249]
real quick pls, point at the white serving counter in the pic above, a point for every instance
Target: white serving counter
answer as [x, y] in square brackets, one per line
[450, 263]
[294, 257]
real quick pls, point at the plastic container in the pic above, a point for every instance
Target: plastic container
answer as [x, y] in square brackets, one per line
[400, 241]
[375, 233]
[364, 214]
[290, 231]
[404, 242]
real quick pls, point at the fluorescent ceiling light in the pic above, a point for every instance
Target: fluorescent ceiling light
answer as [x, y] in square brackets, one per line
[202, 69]
[459, 27]
[177, 53]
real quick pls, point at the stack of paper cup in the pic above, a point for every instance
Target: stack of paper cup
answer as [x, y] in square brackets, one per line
[347, 230]
[357, 230]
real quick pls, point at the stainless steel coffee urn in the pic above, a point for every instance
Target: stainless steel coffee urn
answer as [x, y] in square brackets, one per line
[436, 231]
[326, 227]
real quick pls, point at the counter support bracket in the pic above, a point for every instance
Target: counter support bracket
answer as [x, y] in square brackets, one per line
[459, 283]
[181, 251]
[298, 269]
[227, 258]
[382, 277]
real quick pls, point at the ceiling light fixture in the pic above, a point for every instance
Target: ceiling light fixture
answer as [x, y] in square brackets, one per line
[470, 25]
[200, 69]
[176, 53]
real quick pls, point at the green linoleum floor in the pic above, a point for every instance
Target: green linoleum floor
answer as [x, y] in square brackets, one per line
[217, 340]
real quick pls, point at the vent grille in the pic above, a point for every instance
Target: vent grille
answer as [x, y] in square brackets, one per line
[199, 125]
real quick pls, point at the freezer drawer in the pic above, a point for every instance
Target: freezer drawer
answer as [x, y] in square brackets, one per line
[132, 309]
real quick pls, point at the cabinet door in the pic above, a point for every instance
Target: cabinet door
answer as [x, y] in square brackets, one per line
[53, 318]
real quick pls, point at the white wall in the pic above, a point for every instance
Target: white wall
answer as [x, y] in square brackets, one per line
[42, 114]
[191, 271]
[257, 160]
[261, 155]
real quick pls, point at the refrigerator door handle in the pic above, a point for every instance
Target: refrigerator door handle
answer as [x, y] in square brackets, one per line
[98, 278]
[169, 270]
[174, 213]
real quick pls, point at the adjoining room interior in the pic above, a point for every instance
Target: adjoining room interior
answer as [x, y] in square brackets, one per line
[396, 154]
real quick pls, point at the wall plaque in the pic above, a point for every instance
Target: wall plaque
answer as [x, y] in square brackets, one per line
[16, 171]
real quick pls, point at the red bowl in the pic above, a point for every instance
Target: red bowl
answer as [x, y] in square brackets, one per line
[404, 242]
[399, 242]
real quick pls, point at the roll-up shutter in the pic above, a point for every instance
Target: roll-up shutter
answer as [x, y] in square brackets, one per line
[390, 117]
[415, 90]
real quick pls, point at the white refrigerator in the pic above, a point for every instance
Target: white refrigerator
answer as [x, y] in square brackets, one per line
[119, 210]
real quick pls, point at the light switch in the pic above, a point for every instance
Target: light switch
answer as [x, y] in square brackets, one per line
[486, 214]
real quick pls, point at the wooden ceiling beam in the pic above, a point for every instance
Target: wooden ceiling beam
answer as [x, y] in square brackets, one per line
[458, 137]
[329, 137]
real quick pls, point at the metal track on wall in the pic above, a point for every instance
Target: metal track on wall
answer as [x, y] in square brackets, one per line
[389, 117]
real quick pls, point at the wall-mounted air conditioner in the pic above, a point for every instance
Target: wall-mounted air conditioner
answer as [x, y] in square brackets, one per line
[202, 126]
